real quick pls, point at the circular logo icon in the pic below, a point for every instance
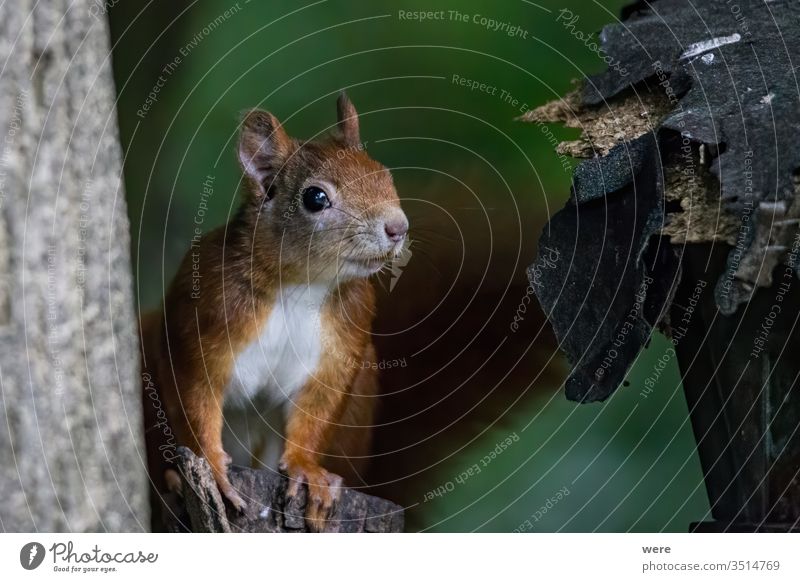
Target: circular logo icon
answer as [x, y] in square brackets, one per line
[31, 555]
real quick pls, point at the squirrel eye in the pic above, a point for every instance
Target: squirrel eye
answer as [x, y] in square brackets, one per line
[315, 199]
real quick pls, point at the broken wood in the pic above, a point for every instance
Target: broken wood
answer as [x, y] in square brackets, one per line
[689, 207]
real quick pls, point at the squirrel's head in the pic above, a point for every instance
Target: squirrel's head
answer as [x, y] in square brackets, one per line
[330, 210]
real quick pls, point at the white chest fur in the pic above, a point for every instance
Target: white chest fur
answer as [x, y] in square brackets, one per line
[286, 352]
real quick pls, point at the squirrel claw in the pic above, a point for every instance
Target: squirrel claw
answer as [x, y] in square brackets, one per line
[219, 468]
[233, 497]
[324, 490]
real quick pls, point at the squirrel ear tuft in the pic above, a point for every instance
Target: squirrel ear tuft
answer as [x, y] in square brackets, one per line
[347, 120]
[263, 146]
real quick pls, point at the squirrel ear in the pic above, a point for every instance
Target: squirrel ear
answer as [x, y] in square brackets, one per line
[348, 120]
[263, 146]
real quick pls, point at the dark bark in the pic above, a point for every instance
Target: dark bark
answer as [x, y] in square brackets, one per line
[723, 185]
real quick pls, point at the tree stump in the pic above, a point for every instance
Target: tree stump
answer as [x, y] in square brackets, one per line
[201, 508]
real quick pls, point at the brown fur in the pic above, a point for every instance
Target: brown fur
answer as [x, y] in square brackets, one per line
[190, 346]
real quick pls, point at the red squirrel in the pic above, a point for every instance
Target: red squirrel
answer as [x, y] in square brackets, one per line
[270, 311]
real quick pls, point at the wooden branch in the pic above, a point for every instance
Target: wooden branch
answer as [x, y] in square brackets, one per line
[201, 508]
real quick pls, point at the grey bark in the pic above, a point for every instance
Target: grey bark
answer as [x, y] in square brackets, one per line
[70, 440]
[201, 508]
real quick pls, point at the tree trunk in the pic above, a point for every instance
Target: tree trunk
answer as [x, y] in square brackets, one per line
[70, 445]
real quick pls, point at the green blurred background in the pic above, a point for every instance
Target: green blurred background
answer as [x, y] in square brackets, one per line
[478, 187]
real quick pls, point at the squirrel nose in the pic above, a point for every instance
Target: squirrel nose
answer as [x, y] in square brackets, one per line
[396, 228]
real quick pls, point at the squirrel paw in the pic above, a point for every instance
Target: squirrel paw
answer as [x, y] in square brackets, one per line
[233, 497]
[324, 490]
[220, 472]
[173, 481]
